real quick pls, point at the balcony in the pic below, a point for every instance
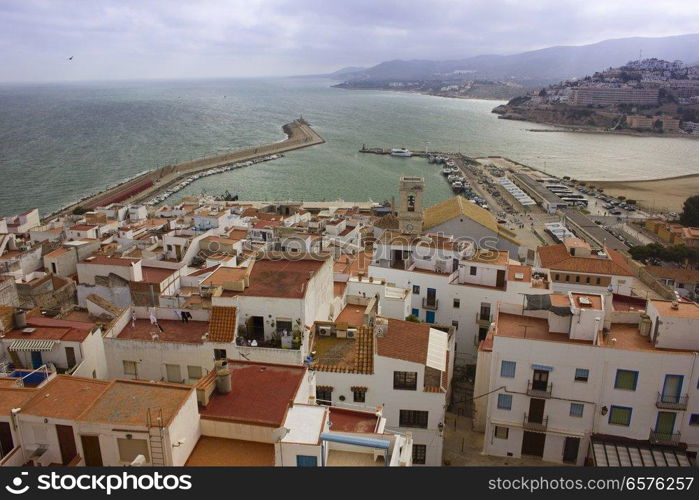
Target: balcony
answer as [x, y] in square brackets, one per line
[483, 320]
[664, 438]
[672, 401]
[539, 389]
[535, 424]
[432, 305]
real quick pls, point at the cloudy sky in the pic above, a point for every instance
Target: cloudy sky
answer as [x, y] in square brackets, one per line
[138, 39]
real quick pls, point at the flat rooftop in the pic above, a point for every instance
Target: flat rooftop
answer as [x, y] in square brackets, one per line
[683, 310]
[156, 274]
[593, 301]
[260, 395]
[306, 423]
[528, 327]
[173, 331]
[346, 420]
[65, 397]
[335, 354]
[126, 402]
[353, 315]
[221, 452]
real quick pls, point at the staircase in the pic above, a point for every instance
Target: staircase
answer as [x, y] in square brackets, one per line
[155, 436]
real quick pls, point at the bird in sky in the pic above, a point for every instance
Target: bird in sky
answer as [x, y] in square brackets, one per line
[70, 58]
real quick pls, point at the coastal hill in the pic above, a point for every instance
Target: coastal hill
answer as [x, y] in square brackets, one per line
[536, 67]
[642, 96]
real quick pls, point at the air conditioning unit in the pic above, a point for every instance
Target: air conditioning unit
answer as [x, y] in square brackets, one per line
[325, 331]
[351, 333]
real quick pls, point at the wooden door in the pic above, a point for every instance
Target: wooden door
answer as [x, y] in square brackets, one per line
[66, 441]
[6, 441]
[570, 450]
[92, 451]
[500, 280]
[533, 443]
[536, 410]
[70, 356]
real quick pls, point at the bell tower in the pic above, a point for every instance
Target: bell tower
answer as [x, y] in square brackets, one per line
[410, 204]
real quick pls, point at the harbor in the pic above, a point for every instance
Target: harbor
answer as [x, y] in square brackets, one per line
[171, 178]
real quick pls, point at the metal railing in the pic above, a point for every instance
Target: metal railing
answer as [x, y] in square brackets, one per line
[430, 304]
[539, 390]
[672, 401]
[535, 424]
[664, 438]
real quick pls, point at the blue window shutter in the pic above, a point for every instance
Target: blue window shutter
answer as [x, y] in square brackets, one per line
[505, 401]
[507, 369]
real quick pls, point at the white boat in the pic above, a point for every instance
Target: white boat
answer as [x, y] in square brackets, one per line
[457, 186]
[401, 152]
[446, 171]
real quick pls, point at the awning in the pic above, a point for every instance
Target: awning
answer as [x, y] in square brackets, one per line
[542, 368]
[382, 444]
[32, 345]
[613, 454]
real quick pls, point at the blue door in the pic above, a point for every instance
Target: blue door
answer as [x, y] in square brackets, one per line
[429, 316]
[306, 461]
[415, 312]
[672, 389]
[36, 359]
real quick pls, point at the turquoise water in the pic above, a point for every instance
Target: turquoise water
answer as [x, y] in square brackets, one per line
[60, 142]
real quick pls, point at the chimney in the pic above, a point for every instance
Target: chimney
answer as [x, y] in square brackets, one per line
[20, 319]
[224, 383]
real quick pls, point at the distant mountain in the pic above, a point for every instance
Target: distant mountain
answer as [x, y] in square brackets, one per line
[542, 66]
[345, 71]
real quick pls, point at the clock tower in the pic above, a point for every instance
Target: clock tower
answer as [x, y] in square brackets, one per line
[410, 205]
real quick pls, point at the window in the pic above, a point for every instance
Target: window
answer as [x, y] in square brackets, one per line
[485, 311]
[455, 324]
[473, 270]
[416, 289]
[457, 303]
[599, 280]
[306, 461]
[219, 354]
[626, 379]
[694, 419]
[194, 372]
[413, 418]
[405, 380]
[587, 280]
[505, 401]
[173, 373]
[576, 409]
[129, 367]
[507, 369]
[502, 432]
[577, 279]
[567, 277]
[419, 453]
[359, 394]
[620, 415]
[324, 395]
[582, 374]
[558, 277]
[129, 449]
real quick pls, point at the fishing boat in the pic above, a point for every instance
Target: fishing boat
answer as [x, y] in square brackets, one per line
[457, 186]
[446, 170]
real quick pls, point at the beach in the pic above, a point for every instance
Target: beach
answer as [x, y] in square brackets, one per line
[658, 194]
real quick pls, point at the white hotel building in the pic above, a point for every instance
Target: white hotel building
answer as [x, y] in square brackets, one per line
[588, 378]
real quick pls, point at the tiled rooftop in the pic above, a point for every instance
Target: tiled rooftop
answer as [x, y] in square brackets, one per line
[345, 420]
[345, 355]
[222, 324]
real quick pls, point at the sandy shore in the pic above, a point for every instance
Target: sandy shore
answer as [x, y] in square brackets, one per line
[660, 194]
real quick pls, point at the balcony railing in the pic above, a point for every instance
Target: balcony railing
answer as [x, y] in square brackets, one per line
[483, 320]
[535, 424]
[539, 390]
[664, 438]
[672, 401]
[430, 304]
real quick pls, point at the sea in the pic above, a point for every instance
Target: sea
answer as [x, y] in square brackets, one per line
[60, 142]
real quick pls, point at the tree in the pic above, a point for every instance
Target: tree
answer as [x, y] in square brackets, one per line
[690, 212]
[412, 318]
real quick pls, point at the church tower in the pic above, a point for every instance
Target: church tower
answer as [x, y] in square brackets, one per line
[410, 205]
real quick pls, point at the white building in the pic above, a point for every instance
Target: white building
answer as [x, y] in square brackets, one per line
[591, 378]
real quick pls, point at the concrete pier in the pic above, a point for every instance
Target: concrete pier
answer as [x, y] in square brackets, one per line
[299, 135]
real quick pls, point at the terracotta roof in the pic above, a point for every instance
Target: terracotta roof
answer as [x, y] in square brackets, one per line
[556, 257]
[222, 324]
[404, 340]
[53, 329]
[675, 273]
[458, 206]
[526, 271]
[282, 278]
[156, 274]
[103, 260]
[126, 402]
[174, 330]
[65, 397]
[684, 309]
[346, 420]
[261, 393]
[221, 452]
[13, 397]
[345, 355]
